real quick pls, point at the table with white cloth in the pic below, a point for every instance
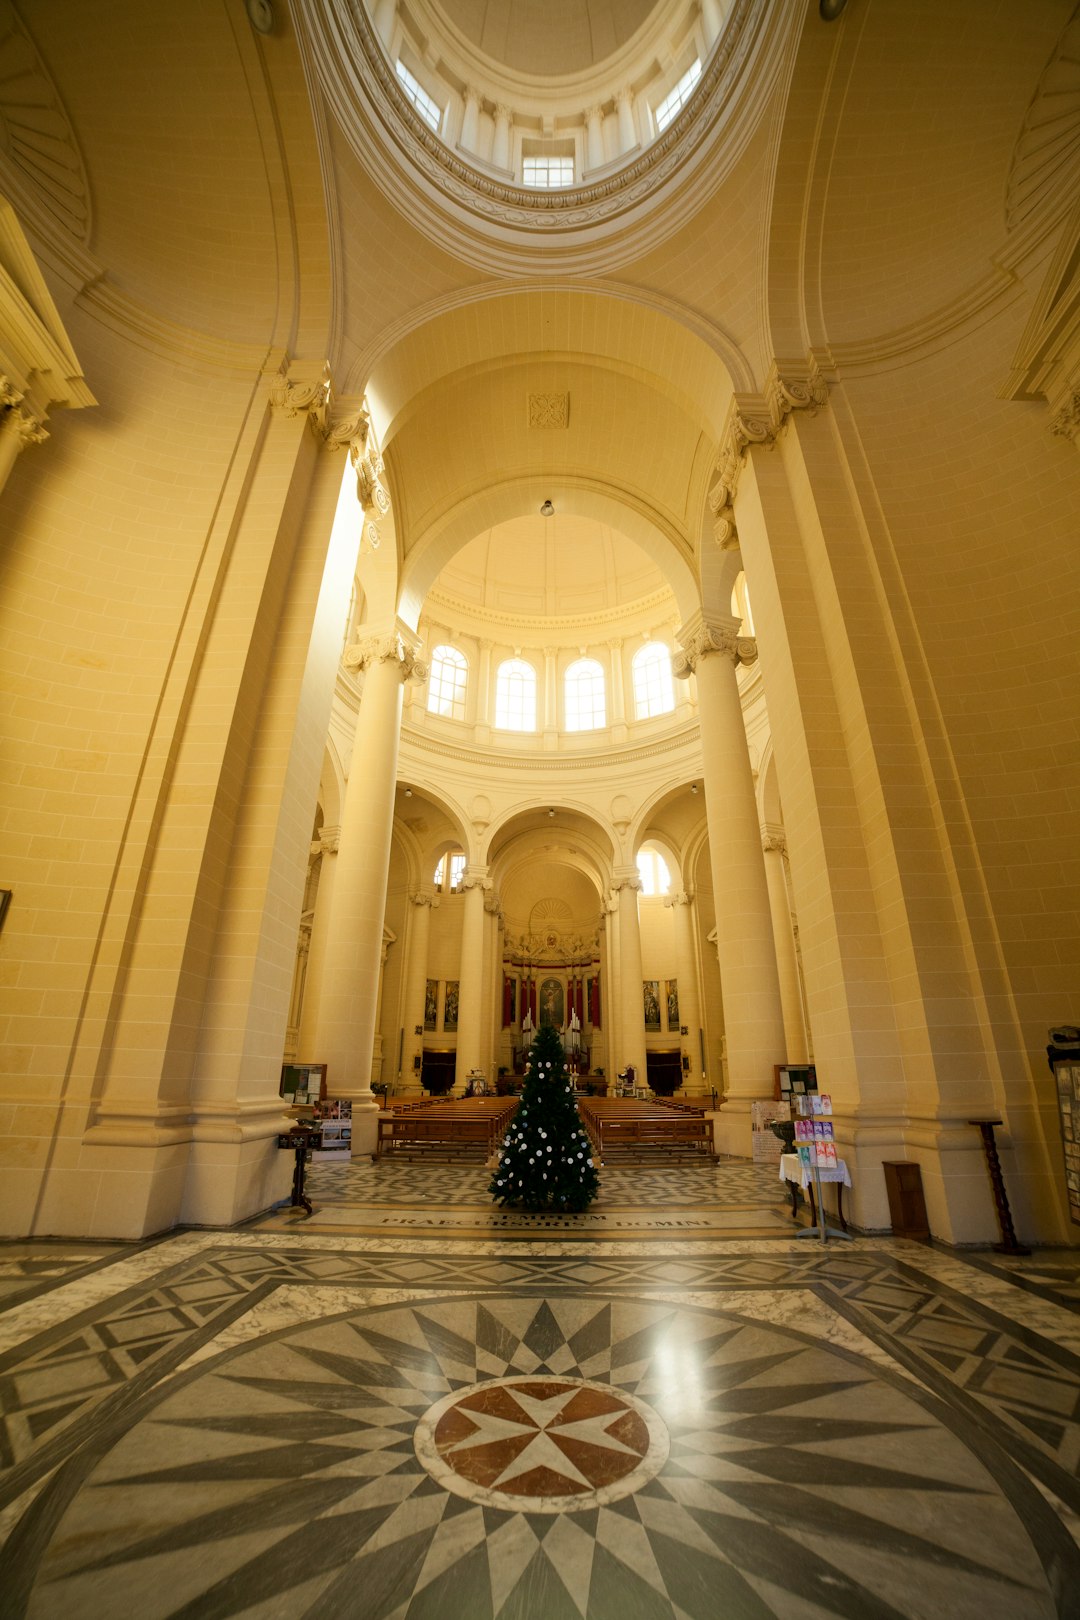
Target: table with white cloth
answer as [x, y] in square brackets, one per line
[797, 1174]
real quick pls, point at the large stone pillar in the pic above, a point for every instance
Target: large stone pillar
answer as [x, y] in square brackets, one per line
[749, 983]
[412, 1046]
[632, 1006]
[491, 1029]
[471, 972]
[689, 998]
[308, 1040]
[774, 846]
[349, 1012]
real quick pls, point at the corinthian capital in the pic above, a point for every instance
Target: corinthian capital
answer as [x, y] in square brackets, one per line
[774, 843]
[757, 419]
[1065, 422]
[679, 898]
[25, 423]
[703, 640]
[389, 647]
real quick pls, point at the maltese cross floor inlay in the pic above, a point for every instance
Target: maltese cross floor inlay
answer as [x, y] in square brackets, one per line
[541, 1445]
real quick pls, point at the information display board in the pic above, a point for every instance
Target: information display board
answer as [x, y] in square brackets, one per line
[1067, 1077]
[302, 1083]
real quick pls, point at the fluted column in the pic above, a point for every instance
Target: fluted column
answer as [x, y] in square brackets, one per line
[594, 138]
[624, 101]
[500, 149]
[632, 1006]
[470, 123]
[749, 982]
[774, 845]
[416, 985]
[689, 999]
[385, 12]
[471, 971]
[349, 1012]
[712, 21]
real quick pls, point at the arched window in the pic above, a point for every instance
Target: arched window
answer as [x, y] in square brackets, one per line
[457, 868]
[654, 692]
[515, 696]
[653, 872]
[585, 696]
[446, 687]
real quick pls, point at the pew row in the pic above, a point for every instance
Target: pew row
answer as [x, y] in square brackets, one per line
[461, 1128]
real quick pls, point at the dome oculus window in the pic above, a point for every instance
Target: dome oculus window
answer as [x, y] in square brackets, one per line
[515, 696]
[446, 687]
[584, 692]
[547, 172]
[654, 692]
[676, 98]
[429, 110]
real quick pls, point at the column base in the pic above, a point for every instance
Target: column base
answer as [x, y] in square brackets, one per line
[731, 1128]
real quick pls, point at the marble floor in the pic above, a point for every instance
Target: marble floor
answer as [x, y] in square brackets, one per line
[371, 1414]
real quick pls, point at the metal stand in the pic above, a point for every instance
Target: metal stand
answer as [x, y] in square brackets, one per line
[300, 1142]
[1008, 1244]
[821, 1230]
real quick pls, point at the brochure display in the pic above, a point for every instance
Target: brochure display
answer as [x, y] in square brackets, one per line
[815, 1145]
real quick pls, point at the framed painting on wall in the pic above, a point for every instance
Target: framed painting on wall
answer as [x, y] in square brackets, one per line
[431, 1003]
[552, 1003]
[673, 1006]
[450, 1005]
[651, 994]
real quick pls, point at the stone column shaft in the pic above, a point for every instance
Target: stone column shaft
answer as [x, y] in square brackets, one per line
[787, 965]
[632, 1032]
[594, 139]
[689, 998]
[415, 987]
[470, 975]
[307, 1040]
[348, 1017]
[500, 149]
[749, 983]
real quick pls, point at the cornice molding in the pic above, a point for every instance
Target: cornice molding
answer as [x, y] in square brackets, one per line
[611, 758]
[568, 623]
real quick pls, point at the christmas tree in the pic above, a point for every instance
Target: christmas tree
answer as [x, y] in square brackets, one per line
[546, 1161]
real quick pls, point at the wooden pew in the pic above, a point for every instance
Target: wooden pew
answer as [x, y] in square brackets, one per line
[620, 1126]
[447, 1128]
